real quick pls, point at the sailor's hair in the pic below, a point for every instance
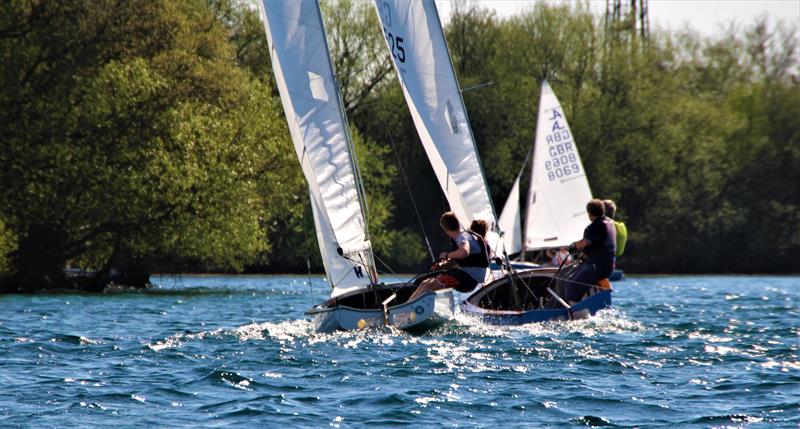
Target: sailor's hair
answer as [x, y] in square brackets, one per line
[449, 222]
[611, 208]
[596, 208]
[480, 227]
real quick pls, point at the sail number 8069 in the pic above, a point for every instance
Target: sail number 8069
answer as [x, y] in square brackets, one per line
[562, 166]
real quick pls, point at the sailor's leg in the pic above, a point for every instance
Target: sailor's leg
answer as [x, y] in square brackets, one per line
[579, 283]
[426, 286]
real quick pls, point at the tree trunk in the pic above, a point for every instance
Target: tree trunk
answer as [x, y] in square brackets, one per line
[38, 263]
[122, 269]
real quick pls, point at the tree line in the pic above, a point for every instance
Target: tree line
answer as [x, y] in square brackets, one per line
[148, 136]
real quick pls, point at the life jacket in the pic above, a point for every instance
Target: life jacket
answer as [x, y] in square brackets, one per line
[622, 237]
[479, 259]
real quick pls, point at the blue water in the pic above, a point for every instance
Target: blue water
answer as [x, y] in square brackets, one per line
[238, 352]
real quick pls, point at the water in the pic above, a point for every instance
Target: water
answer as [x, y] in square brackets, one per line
[237, 352]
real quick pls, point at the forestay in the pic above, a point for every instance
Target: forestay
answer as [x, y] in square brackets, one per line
[559, 189]
[318, 126]
[419, 52]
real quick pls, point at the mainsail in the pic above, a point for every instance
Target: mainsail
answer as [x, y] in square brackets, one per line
[318, 126]
[559, 191]
[419, 52]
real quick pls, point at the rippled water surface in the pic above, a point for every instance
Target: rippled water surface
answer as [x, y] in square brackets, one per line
[237, 351]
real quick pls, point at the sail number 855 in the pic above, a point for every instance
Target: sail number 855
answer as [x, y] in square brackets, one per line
[395, 46]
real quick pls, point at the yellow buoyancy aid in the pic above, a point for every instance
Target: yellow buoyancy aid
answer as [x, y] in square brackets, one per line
[622, 237]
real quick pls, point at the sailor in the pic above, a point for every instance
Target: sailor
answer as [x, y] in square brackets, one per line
[481, 227]
[462, 268]
[622, 230]
[599, 247]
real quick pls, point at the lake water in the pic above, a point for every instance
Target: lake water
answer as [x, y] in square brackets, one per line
[237, 351]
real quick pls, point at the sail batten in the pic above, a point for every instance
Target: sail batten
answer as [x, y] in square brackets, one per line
[318, 127]
[418, 49]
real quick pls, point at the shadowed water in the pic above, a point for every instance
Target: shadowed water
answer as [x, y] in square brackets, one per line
[237, 351]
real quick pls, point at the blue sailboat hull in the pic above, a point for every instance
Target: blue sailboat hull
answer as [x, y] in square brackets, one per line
[526, 298]
[582, 310]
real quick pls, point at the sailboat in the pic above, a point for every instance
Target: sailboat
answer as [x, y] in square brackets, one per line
[556, 217]
[318, 126]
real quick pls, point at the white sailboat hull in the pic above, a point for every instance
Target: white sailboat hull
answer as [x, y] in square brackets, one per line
[424, 312]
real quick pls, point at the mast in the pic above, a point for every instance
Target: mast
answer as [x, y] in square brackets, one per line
[351, 152]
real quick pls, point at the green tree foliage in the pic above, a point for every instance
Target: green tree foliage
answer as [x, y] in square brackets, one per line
[7, 245]
[147, 134]
[131, 136]
[396, 248]
[357, 49]
[695, 138]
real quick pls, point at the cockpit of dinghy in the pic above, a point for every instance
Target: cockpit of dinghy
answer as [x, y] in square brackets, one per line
[520, 294]
[373, 298]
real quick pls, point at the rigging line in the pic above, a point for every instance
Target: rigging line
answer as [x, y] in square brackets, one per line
[308, 254]
[408, 187]
[357, 262]
[478, 86]
[580, 283]
[525, 163]
[391, 271]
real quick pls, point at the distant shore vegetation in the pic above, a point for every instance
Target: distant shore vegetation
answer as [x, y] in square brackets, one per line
[148, 136]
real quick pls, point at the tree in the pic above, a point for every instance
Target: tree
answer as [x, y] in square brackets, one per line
[357, 49]
[7, 245]
[164, 149]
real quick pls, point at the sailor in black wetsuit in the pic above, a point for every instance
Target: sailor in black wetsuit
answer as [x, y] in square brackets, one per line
[470, 254]
[599, 245]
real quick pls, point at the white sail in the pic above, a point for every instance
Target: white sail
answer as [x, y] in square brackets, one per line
[419, 52]
[318, 126]
[511, 223]
[559, 190]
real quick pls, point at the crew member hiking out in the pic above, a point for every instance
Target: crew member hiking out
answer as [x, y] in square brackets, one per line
[599, 245]
[462, 268]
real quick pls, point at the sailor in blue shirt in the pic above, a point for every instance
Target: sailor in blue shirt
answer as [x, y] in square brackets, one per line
[470, 257]
[599, 245]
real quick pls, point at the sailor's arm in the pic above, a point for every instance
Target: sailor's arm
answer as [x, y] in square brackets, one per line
[460, 253]
[580, 244]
